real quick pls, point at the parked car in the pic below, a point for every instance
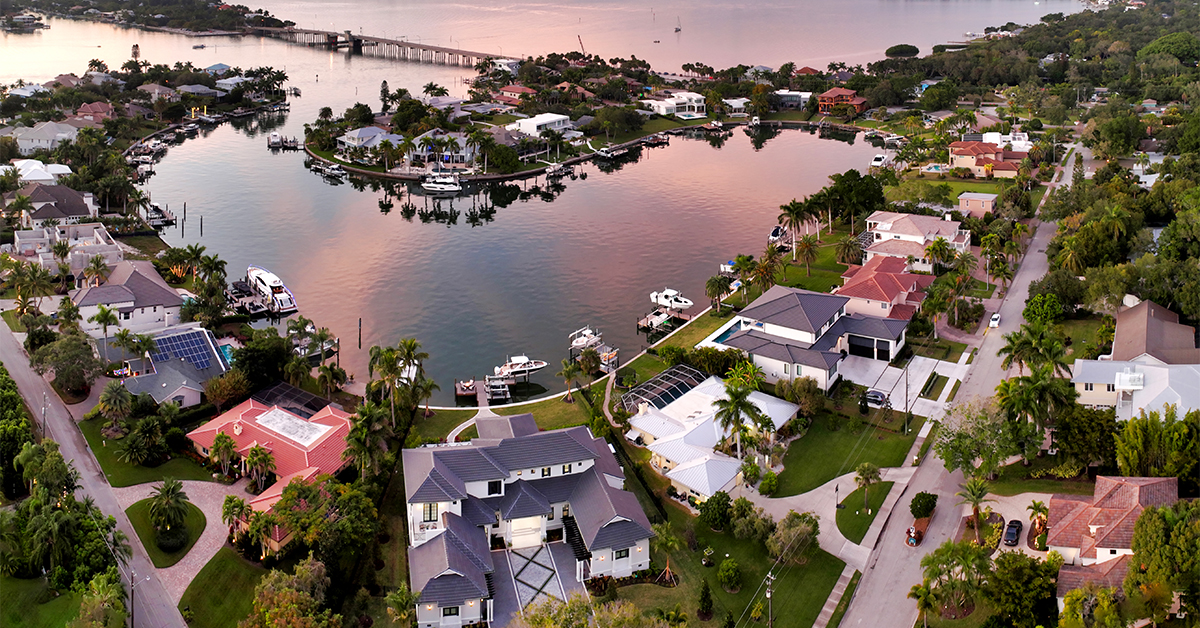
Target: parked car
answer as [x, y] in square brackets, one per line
[875, 397]
[1012, 532]
[995, 322]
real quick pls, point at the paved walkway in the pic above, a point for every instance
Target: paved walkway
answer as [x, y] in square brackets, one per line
[208, 497]
[535, 576]
[835, 597]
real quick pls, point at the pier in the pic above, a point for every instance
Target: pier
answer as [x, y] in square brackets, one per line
[377, 46]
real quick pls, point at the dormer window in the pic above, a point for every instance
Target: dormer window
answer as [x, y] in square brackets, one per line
[429, 513]
[495, 487]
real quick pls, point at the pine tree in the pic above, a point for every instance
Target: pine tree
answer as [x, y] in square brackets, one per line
[706, 602]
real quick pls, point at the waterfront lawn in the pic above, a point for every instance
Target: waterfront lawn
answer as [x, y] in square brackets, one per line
[554, 413]
[328, 155]
[1015, 479]
[942, 349]
[10, 318]
[808, 585]
[826, 271]
[148, 245]
[222, 594]
[647, 366]
[438, 426]
[124, 474]
[139, 516]
[822, 455]
[697, 329]
[656, 125]
[468, 434]
[852, 522]
[33, 604]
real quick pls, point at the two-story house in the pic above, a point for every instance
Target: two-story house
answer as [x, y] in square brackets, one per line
[682, 104]
[976, 204]
[143, 300]
[156, 91]
[906, 236]
[86, 241]
[883, 287]
[985, 159]
[791, 333]
[57, 203]
[534, 125]
[840, 96]
[41, 136]
[514, 487]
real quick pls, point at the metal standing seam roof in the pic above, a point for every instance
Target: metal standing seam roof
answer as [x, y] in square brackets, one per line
[662, 389]
[706, 475]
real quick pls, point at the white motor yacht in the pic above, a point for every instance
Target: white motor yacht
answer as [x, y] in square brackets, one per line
[520, 366]
[270, 290]
[275, 140]
[440, 184]
[777, 234]
[611, 153]
[670, 299]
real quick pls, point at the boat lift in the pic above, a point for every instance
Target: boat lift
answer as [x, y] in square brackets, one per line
[587, 338]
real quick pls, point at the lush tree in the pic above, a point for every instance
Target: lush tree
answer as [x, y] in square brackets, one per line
[1022, 590]
[704, 609]
[1166, 550]
[926, 601]
[1087, 435]
[262, 359]
[234, 510]
[922, 505]
[232, 387]
[1043, 308]
[115, 402]
[864, 476]
[103, 603]
[795, 537]
[297, 599]
[71, 359]
[1092, 606]
[973, 438]
[1182, 45]
[1158, 444]
[261, 464]
[733, 410]
[955, 572]
[715, 511]
[222, 451]
[570, 371]
[729, 575]
[366, 444]
[336, 520]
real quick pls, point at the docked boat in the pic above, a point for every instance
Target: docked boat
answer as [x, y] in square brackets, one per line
[270, 290]
[670, 299]
[275, 140]
[583, 338]
[777, 234]
[441, 184]
[334, 170]
[558, 171]
[520, 366]
[199, 47]
[611, 153]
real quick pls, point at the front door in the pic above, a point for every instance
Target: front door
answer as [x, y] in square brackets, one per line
[526, 532]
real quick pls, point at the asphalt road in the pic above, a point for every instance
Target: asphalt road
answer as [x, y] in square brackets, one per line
[151, 605]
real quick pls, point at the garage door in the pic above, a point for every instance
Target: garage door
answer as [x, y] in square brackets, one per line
[526, 532]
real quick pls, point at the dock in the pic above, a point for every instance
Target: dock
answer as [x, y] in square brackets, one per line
[491, 389]
[661, 319]
[586, 338]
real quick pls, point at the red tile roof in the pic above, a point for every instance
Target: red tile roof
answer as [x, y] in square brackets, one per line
[974, 148]
[517, 89]
[807, 70]
[324, 452]
[267, 499]
[1106, 519]
[1110, 573]
[883, 279]
[838, 91]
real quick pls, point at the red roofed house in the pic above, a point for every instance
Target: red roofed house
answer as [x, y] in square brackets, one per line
[906, 236]
[839, 96]
[511, 94]
[303, 447]
[808, 71]
[884, 288]
[1095, 534]
[982, 158]
[97, 111]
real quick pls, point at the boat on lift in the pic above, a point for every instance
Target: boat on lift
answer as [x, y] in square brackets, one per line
[520, 366]
[670, 299]
[269, 288]
[584, 338]
[777, 234]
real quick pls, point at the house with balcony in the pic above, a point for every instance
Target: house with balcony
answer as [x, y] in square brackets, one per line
[54, 205]
[985, 159]
[791, 333]
[86, 240]
[141, 297]
[883, 287]
[840, 96]
[512, 489]
[789, 99]
[905, 236]
[681, 104]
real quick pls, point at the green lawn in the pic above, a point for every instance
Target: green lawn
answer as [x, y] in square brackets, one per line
[149, 245]
[954, 391]
[826, 271]
[835, 620]
[807, 585]
[139, 516]
[935, 391]
[1014, 479]
[124, 474]
[10, 317]
[822, 455]
[393, 514]
[438, 426]
[31, 604]
[555, 413]
[1082, 332]
[222, 594]
[647, 366]
[988, 187]
[974, 620]
[941, 349]
[650, 127]
[852, 521]
[697, 329]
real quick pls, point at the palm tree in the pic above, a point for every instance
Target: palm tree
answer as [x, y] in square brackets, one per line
[96, 270]
[222, 451]
[792, 216]
[1019, 231]
[168, 505]
[667, 541]
[386, 360]
[975, 492]
[715, 288]
[570, 371]
[768, 269]
[261, 463]
[402, 604]
[412, 358]
[422, 390]
[745, 266]
[806, 248]
[733, 410]
[939, 252]
[1039, 514]
[115, 402]
[104, 317]
[212, 267]
[39, 283]
[926, 600]
[433, 89]
[193, 254]
[1070, 257]
[965, 263]
[233, 511]
[1003, 273]
[49, 532]
[61, 250]
[848, 250]
[864, 476]
[330, 378]
[297, 370]
[366, 444]
[319, 339]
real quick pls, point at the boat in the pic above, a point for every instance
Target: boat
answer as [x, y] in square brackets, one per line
[440, 184]
[777, 234]
[678, 25]
[611, 153]
[879, 161]
[275, 140]
[582, 338]
[670, 299]
[270, 289]
[199, 47]
[520, 366]
[334, 170]
[558, 171]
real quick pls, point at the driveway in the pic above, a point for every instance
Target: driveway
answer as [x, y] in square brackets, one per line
[534, 574]
[208, 497]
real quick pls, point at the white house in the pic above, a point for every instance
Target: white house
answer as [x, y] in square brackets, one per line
[681, 104]
[907, 235]
[42, 136]
[455, 152]
[789, 99]
[143, 300]
[87, 240]
[508, 65]
[57, 203]
[34, 171]
[229, 83]
[534, 126]
[155, 91]
[791, 333]
[515, 487]
[736, 106]
[29, 91]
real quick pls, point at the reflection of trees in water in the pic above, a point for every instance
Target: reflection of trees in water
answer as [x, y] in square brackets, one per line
[760, 135]
[830, 133]
[260, 123]
[717, 140]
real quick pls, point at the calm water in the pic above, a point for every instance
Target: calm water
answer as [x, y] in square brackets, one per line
[588, 253]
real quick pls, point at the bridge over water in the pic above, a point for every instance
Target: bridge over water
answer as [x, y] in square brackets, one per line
[378, 46]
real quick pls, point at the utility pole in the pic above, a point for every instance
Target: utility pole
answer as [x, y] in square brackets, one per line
[133, 587]
[770, 614]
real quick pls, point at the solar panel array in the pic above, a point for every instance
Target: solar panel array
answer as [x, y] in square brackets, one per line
[192, 346]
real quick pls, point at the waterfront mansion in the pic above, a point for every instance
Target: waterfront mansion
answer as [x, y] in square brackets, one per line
[473, 507]
[791, 333]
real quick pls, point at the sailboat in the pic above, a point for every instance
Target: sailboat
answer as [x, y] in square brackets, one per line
[678, 25]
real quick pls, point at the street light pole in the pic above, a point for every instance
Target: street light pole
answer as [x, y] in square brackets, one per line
[133, 587]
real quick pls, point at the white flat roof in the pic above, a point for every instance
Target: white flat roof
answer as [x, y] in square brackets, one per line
[292, 427]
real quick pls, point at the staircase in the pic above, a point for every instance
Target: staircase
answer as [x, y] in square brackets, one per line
[575, 539]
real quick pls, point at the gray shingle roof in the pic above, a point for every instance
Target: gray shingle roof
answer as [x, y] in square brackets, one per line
[472, 464]
[794, 308]
[452, 567]
[766, 345]
[61, 201]
[478, 512]
[539, 450]
[501, 427]
[601, 512]
[137, 277]
[557, 489]
[427, 480]
[523, 500]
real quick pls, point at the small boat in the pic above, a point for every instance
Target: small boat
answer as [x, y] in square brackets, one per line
[276, 297]
[335, 171]
[879, 161]
[678, 25]
[199, 47]
[441, 184]
[520, 366]
[581, 338]
[670, 299]
[777, 234]
[558, 171]
[275, 140]
[611, 153]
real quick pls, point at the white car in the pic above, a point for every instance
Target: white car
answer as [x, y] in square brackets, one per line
[995, 320]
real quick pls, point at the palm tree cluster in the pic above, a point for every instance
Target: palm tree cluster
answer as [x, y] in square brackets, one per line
[402, 378]
[208, 275]
[1044, 392]
[736, 413]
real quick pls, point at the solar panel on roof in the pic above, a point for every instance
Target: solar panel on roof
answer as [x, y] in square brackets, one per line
[191, 346]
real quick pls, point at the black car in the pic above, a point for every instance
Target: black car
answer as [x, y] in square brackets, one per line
[1012, 532]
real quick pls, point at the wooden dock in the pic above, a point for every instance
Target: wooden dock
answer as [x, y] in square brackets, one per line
[490, 389]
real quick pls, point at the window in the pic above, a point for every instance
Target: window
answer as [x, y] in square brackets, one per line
[1087, 387]
[1111, 387]
[787, 369]
[430, 512]
[621, 553]
[550, 517]
[1112, 552]
[495, 487]
[545, 472]
[450, 611]
[567, 468]
[566, 510]
[883, 306]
